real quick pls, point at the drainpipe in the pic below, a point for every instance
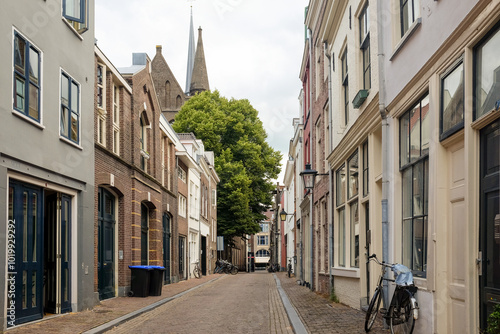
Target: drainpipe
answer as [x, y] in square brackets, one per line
[385, 149]
[330, 176]
[311, 127]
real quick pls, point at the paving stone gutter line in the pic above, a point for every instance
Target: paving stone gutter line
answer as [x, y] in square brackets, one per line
[293, 317]
[118, 321]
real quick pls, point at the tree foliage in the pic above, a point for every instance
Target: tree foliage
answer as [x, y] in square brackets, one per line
[244, 161]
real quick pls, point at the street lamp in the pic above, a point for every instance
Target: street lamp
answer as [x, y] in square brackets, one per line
[308, 176]
[283, 215]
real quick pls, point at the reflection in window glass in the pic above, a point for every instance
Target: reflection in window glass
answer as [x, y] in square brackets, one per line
[354, 235]
[452, 100]
[487, 80]
[342, 237]
[353, 171]
[341, 185]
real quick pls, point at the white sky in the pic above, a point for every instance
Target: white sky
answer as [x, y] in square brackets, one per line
[253, 49]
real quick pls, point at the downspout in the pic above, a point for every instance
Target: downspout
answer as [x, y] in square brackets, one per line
[330, 176]
[385, 149]
[311, 204]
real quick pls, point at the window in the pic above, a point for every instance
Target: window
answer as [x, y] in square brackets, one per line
[345, 86]
[318, 150]
[181, 174]
[116, 120]
[409, 11]
[452, 101]
[144, 142]
[354, 240]
[70, 108]
[414, 165]
[327, 135]
[27, 61]
[100, 87]
[262, 253]
[262, 240]
[352, 169]
[101, 130]
[364, 40]
[487, 74]
[75, 11]
[214, 197]
[182, 206]
[341, 251]
[340, 185]
[264, 227]
[366, 188]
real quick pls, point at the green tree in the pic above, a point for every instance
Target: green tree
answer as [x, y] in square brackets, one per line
[244, 161]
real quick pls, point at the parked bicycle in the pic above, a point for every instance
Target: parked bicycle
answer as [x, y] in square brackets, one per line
[403, 309]
[226, 267]
[274, 267]
[197, 270]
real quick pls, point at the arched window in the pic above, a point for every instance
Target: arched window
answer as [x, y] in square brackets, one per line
[262, 253]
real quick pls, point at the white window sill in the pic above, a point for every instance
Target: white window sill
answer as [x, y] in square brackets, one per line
[346, 272]
[29, 119]
[72, 28]
[67, 141]
[406, 37]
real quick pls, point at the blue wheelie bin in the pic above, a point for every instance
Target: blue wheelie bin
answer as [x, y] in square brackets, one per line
[140, 283]
[156, 280]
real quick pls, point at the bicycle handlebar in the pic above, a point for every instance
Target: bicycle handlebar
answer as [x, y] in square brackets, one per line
[374, 257]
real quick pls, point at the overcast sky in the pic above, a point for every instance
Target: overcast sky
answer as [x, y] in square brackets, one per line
[253, 48]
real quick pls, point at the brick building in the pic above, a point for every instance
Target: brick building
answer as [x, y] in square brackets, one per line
[135, 191]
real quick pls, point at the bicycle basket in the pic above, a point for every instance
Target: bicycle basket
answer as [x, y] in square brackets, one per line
[402, 274]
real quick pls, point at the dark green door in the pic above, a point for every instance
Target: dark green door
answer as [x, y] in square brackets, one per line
[65, 229]
[26, 216]
[490, 219]
[106, 244]
[166, 247]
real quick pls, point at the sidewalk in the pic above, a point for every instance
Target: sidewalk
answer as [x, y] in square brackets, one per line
[319, 315]
[108, 310]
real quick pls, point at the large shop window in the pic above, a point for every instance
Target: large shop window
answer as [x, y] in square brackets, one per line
[27, 83]
[414, 167]
[487, 74]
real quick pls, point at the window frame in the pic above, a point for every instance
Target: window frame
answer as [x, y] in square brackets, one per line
[83, 11]
[443, 134]
[345, 85]
[413, 218]
[366, 169]
[364, 45]
[484, 41]
[25, 111]
[415, 13]
[71, 82]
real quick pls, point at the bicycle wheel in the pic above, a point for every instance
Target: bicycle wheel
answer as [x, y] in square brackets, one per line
[234, 270]
[401, 320]
[197, 272]
[371, 313]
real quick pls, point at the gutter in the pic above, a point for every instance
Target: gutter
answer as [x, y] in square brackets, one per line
[311, 204]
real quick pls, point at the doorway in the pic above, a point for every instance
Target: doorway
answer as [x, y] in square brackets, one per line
[182, 256]
[106, 244]
[203, 259]
[166, 247]
[41, 271]
[489, 219]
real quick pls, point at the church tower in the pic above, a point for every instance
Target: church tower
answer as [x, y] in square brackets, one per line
[199, 78]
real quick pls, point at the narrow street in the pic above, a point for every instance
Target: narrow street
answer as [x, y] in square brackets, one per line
[243, 303]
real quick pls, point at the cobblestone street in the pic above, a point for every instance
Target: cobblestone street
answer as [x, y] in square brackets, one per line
[243, 303]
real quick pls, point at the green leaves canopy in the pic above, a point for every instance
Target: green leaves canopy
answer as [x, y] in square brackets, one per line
[244, 161]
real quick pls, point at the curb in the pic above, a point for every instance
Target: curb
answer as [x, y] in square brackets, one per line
[293, 317]
[124, 318]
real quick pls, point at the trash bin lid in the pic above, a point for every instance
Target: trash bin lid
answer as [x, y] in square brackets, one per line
[140, 267]
[157, 267]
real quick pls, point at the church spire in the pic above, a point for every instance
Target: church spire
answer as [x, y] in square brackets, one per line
[191, 51]
[199, 79]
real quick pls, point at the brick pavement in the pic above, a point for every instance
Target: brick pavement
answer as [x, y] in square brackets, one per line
[319, 315]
